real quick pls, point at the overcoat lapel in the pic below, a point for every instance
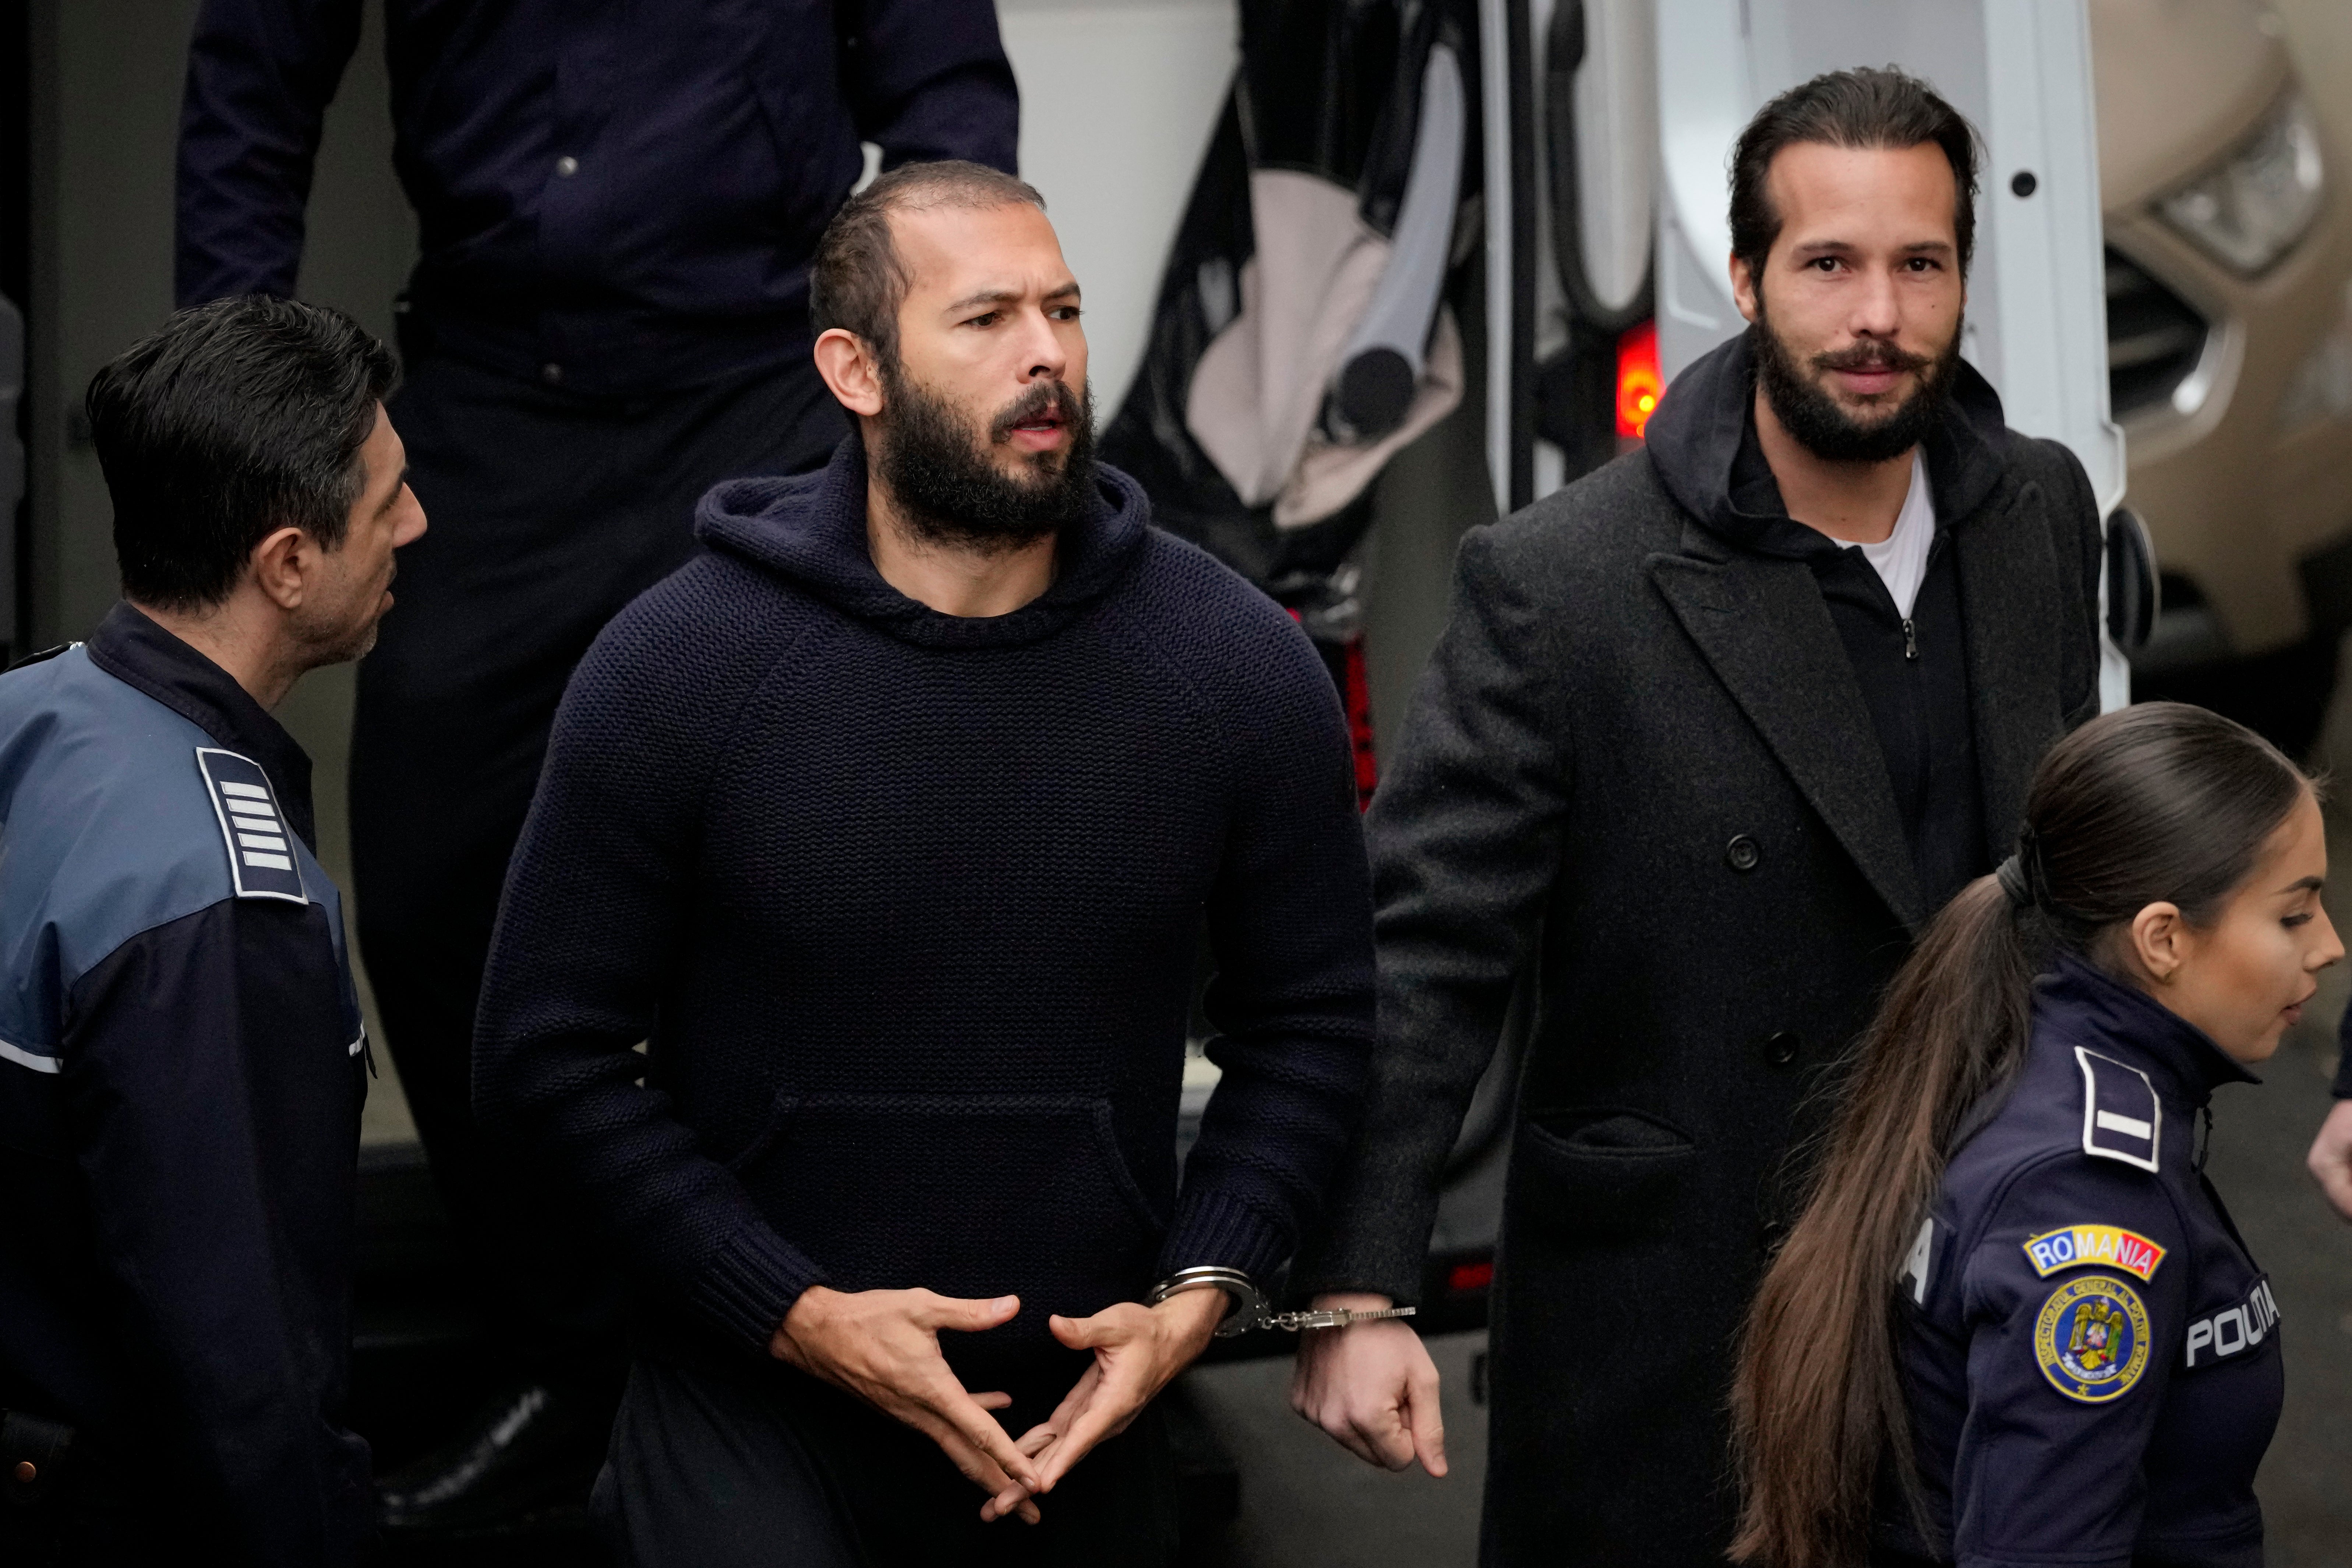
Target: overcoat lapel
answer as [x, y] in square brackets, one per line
[1759, 622]
[2009, 597]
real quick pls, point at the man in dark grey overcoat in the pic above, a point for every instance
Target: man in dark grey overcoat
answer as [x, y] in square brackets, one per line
[1711, 735]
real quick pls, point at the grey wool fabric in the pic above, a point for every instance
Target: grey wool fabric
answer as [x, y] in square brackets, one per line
[1639, 760]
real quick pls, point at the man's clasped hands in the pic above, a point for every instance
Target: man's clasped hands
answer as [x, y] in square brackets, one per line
[884, 1347]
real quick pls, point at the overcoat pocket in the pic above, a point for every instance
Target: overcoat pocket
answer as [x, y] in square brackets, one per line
[1599, 1172]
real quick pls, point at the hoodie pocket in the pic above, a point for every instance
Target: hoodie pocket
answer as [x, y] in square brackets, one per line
[976, 1196]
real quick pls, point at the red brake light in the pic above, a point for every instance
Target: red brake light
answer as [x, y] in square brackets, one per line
[1465, 1277]
[1639, 383]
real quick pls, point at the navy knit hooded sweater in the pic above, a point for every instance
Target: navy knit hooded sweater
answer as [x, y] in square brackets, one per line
[906, 907]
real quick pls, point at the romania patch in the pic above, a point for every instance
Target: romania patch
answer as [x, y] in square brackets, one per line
[2077, 1245]
[2091, 1340]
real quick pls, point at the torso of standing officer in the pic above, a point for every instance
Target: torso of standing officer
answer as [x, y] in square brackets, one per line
[1683, 751]
[617, 206]
[184, 1063]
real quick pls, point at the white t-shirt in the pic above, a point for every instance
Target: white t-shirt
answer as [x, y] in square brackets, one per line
[1901, 559]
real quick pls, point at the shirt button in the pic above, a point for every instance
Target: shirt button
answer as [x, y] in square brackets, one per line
[1782, 1048]
[567, 166]
[1741, 854]
[551, 374]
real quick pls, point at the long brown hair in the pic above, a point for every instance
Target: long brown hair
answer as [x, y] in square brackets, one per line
[2153, 802]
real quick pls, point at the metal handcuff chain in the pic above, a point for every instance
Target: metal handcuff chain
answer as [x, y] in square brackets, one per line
[1250, 1309]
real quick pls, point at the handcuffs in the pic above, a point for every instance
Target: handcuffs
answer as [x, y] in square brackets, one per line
[1250, 1309]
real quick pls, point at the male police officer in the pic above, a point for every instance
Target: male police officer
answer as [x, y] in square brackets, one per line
[1731, 717]
[617, 204]
[181, 1057]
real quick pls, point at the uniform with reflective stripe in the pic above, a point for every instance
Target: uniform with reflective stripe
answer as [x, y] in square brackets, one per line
[180, 1088]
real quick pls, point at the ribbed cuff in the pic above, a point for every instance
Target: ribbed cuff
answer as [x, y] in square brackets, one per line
[1219, 1228]
[751, 1283]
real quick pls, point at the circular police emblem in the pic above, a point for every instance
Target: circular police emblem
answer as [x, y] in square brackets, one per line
[2091, 1339]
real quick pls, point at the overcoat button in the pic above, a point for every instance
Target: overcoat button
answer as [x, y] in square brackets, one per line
[1741, 854]
[27, 1472]
[1782, 1047]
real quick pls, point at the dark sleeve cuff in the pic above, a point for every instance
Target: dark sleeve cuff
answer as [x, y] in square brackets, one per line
[751, 1283]
[1219, 1228]
[1387, 1261]
[1378, 1216]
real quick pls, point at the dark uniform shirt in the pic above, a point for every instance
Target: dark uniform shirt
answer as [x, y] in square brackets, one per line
[610, 197]
[180, 1076]
[2090, 1357]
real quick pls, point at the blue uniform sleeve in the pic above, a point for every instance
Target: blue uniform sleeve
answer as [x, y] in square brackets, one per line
[215, 1117]
[928, 80]
[2076, 1305]
[260, 76]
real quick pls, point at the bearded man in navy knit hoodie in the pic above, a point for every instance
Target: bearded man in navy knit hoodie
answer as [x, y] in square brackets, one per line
[891, 825]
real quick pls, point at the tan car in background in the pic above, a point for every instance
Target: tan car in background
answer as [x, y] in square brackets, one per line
[2229, 228]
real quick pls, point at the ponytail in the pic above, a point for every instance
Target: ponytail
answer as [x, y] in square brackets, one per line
[2157, 802]
[1817, 1404]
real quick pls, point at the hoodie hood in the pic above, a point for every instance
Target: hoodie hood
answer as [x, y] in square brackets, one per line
[810, 529]
[1696, 436]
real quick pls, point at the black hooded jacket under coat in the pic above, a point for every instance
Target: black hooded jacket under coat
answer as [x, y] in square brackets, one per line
[1647, 758]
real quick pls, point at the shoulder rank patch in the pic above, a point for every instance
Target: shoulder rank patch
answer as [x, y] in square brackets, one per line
[2091, 1340]
[260, 852]
[2122, 1119]
[2077, 1245]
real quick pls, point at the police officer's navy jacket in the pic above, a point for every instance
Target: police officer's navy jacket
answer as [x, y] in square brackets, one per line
[180, 1075]
[2090, 1357]
[628, 194]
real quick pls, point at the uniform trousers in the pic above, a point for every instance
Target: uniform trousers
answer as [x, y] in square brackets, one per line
[762, 1466]
[547, 512]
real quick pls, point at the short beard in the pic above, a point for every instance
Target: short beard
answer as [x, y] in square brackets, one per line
[1820, 424]
[948, 491]
[327, 642]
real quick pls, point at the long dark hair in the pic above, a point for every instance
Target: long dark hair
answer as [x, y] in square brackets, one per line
[2161, 802]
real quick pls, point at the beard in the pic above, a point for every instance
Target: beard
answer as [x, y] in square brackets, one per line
[329, 633]
[1821, 425]
[951, 494]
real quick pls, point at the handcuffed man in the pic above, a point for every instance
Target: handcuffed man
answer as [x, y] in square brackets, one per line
[1711, 735]
[891, 824]
[182, 1062]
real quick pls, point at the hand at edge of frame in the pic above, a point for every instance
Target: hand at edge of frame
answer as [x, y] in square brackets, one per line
[884, 1347]
[2330, 1160]
[1372, 1387]
[1137, 1350]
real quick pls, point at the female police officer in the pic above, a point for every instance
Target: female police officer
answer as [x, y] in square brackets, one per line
[2081, 1362]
